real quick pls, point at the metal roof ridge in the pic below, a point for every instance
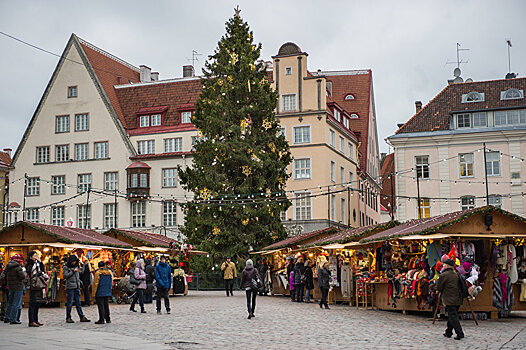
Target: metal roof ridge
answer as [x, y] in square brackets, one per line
[109, 55]
[166, 81]
[343, 72]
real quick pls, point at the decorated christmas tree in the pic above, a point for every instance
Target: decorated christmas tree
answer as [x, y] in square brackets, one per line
[239, 164]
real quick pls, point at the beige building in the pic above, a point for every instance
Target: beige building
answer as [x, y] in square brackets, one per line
[5, 162]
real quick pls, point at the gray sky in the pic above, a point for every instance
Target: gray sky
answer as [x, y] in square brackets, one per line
[405, 43]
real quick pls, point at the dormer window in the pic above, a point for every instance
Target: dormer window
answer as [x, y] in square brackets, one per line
[354, 116]
[346, 122]
[473, 96]
[186, 117]
[144, 121]
[511, 94]
[337, 115]
[150, 120]
[349, 97]
[156, 120]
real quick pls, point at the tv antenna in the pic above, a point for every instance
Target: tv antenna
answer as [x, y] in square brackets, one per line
[458, 61]
[508, 41]
[194, 57]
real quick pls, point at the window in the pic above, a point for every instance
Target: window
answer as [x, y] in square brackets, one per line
[144, 121]
[110, 215]
[466, 164]
[337, 115]
[72, 91]
[333, 207]
[33, 186]
[493, 163]
[62, 123]
[351, 179]
[343, 211]
[194, 141]
[500, 118]
[61, 153]
[342, 145]
[425, 208]
[302, 134]
[495, 200]
[473, 96]
[467, 202]
[173, 145]
[156, 120]
[84, 216]
[302, 168]
[480, 120]
[111, 181]
[58, 184]
[57, 216]
[81, 122]
[302, 206]
[170, 177]
[282, 132]
[463, 121]
[283, 215]
[101, 150]
[342, 176]
[81, 151]
[349, 97]
[169, 213]
[289, 102]
[288, 70]
[32, 215]
[351, 150]
[43, 154]
[422, 167]
[83, 182]
[354, 116]
[346, 122]
[146, 147]
[333, 171]
[511, 94]
[332, 138]
[138, 214]
[186, 117]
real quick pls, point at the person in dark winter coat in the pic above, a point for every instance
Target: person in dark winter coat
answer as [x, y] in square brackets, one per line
[448, 286]
[139, 275]
[324, 276]
[263, 268]
[163, 281]
[71, 272]
[299, 270]
[16, 275]
[150, 277]
[34, 269]
[5, 292]
[309, 280]
[102, 284]
[85, 277]
[290, 268]
[246, 283]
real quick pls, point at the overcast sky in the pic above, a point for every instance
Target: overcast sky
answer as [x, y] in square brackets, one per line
[405, 43]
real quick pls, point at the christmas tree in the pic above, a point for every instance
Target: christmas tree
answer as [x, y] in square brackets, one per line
[239, 164]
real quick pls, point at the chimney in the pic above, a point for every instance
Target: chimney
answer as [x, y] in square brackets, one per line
[418, 106]
[8, 151]
[155, 76]
[329, 87]
[188, 71]
[146, 74]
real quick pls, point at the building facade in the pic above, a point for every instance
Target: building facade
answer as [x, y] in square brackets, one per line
[5, 162]
[469, 132]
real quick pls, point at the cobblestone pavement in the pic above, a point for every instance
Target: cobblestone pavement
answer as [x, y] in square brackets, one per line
[209, 320]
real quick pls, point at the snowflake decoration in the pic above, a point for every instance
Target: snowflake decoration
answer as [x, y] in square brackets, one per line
[266, 124]
[205, 193]
[246, 170]
[216, 231]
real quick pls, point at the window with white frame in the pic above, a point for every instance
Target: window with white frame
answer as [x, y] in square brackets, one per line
[493, 163]
[355, 116]
[351, 179]
[62, 123]
[111, 181]
[58, 184]
[302, 134]
[138, 214]
[463, 121]
[83, 182]
[350, 150]
[302, 206]
[173, 145]
[425, 208]
[346, 122]
[101, 150]
[81, 122]
[480, 120]
[283, 215]
[342, 145]
[342, 176]
[343, 210]
[57, 216]
[467, 202]
[333, 207]
[146, 147]
[349, 97]
[33, 186]
[156, 120]
[466, 164]
[61, 153]
[289, 102]
[495, 200]
[337, 115]
[473, 96]
[84, 216]
[32, 215]
[43, 154]
[144, 121]
[169, 213]
[333, 171]
[81, 151]
[282, 132]
[332, 138]
[110, 215]
[170, 177]
[302, 168]
[510, 117]
[288, 70]
[72, 91]
[511, 94]
[422, 167]
[186, 117]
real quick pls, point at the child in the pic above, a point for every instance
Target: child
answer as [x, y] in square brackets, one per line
[102, 284]
[292, 286]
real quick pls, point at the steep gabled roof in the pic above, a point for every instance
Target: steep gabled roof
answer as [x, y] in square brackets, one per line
[5, 158]
[435, 115]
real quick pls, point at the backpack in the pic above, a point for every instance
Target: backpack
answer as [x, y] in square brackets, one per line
[134, 280]
[462, 286]
[255, 282]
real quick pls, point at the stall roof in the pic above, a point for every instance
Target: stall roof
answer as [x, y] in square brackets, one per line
[295, 240]
[147, 239]
[71, 235]
[353, 234]
[427, 226]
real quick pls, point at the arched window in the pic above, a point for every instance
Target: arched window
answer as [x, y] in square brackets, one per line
[354, 116]
[473, 97]
[511, 94]
[349, 97]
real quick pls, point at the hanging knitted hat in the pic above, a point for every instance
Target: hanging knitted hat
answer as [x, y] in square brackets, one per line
[438, 266]
[444, 258]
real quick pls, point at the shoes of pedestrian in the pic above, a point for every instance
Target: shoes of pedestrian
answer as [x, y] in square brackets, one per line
[249, 316]
[447, 335]
[40, 324]
[33, 324]
[108, 321]
[321, 306]
[458, 337]
[16, 322]
[133, 310]
[6, 320]
[252, 314]
[69, 320]
[168, 311]
[143, 311]
[1, 318]
[158, 312]
[327, 307]
[84, 319]
[99, 322]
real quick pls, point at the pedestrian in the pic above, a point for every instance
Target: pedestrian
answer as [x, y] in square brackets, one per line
[102, 283]
[35, 269]
[5, 292]
[139, 275]
[324, 276]
[309, 281]
[448, 286]
[299, 270]
[290, 269]
[250, 273]
[163, 282]
[292, 286]
[16, 275]
[71, 272]
[85, 277]
[150, 277]
[229, 273]
[263, 268]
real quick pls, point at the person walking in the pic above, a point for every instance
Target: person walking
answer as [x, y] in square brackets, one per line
[150, 277]
[290, 270]
[139, 275]
[102, 283]
[324, 276]
[448, 286]
[85, 277]
[299, 270]
[229, 273]
[35, 270]
[250, 273]
[309, 280]
[71, 272]
[263, 268]
[163, 281]
[5, 292]
[15, 275]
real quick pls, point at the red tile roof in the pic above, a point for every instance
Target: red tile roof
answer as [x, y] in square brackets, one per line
[435, 115]
[388, 168]
[5, 158]
[139, 165]
[295, 240]
[159, 155]
[144, 238]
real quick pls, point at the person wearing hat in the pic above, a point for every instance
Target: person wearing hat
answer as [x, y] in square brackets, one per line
[71, 272]
[163, 282]
[229, 273]
[324, 276]
[448, 286]
[290, 268]
[248, 274]
[15, 275]
[35, 270]
[101, 290]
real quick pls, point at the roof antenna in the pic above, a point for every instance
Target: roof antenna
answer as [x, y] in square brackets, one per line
[456, 71]
[194, 58]
[509, 75]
